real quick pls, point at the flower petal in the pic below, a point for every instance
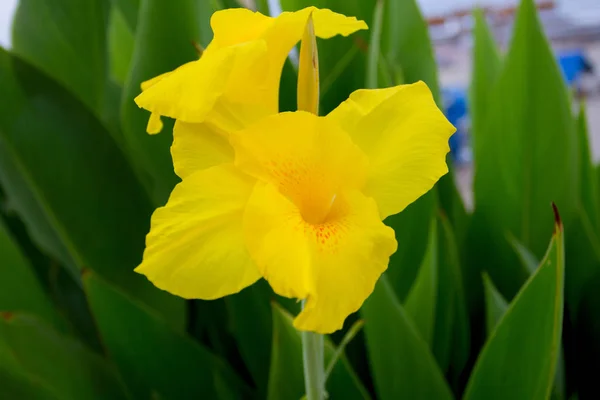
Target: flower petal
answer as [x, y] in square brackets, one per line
[228, 82]
[199, 146]
[334, 265]
[404, 135]
[195, 248]
[308, 158]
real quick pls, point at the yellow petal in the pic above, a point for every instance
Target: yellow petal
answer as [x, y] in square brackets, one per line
[281, 34]
[334, 265]
[308, 158]
[227, 82]
[404, 135]
[238, 25]
[155, 124]
[195, 248]
[199, 146]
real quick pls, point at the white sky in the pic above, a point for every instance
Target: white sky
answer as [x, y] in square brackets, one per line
[7, 9]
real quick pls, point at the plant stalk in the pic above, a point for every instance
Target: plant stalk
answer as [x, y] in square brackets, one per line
[314, 365]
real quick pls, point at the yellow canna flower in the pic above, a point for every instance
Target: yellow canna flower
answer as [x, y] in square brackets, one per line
[295, 198]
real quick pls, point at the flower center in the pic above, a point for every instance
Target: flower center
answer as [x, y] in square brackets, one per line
[315, 207]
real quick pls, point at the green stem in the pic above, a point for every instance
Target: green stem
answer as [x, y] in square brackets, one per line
[314, 365]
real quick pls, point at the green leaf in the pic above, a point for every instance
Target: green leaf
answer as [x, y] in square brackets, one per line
[251, 324]
[495, 305]
[129, 10]
[286, 375]
[589, 180]
[486, 68]
[526, 156]
[120, 45]
[421, 300]
[19, 288]
[71, 185]
[374, 47]
[411, 227]
[163, 41]
[155, 359]
[583, 242]
[405, 43]
[56, 363]
[451, 343]
[519, 360]
[16, 385]
[66, 39]
[401, 363]
[528, 260]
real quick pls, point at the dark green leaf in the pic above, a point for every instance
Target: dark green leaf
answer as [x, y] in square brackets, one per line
[66, 39]
[251, 324]
[421, 300]
[452, 337]
[495, 305]
[374, 47]
[526, 156]
[412, 232]
[57, 363]
[486, 67]
[401, 363]
[155, 359]
[17, 385]
[589, 180]
[19, 288]
[71, 185]
[120, 46]
[129, 10]
[405, 43]
[286, 376]
[519, 360]
[164, 40]
[528, 260]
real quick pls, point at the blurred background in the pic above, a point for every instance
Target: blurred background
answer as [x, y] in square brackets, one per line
[477, 303]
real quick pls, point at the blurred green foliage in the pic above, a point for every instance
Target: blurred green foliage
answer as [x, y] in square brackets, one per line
[464, 311]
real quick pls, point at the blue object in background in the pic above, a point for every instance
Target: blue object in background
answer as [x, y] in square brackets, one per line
[456, 110]
[572, 64]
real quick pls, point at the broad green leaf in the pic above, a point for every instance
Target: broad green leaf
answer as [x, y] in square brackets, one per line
[56, 363]
[405, 43]
[401, 363]
[19, 288]
[251, 324]
[495, 305]
[486, 67]
[286, 374]
[129, 10]
[526, 156]
[520, 357]
[17, 385]
[412, 232]
[164, 40]
[451, 343]
[120, 46]
[342, 60]
[421, 300]
[66, 39]
[156, 360]
[71, 185]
